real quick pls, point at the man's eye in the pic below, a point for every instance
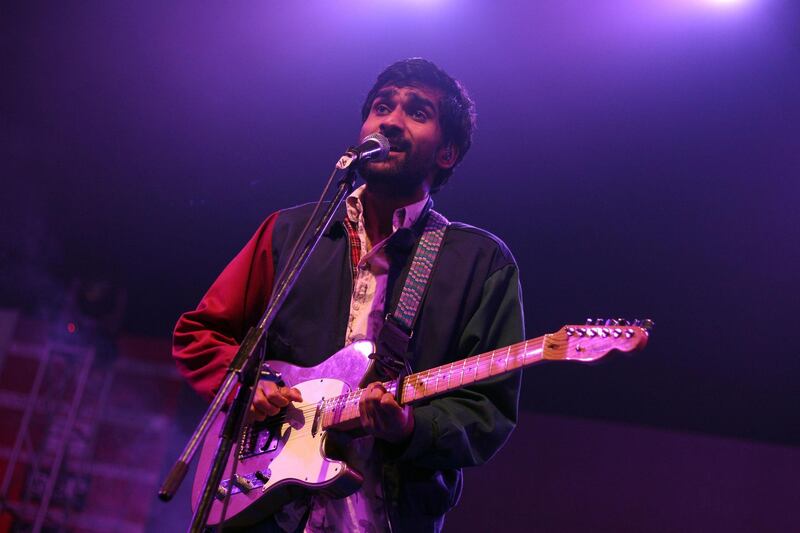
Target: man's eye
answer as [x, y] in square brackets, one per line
[420, 115]
[381, 108]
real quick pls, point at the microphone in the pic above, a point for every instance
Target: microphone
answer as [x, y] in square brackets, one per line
[373, 147]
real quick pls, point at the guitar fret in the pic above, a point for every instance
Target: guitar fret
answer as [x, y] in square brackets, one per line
[353, 399]
[450, 373]
[479, 376]
[418, 392]
[426, 379]
[342, 409]
[475, 361]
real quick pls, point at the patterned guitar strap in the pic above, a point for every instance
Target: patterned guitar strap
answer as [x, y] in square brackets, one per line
[392, 354]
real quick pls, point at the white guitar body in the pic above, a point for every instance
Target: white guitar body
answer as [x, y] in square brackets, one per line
[280, 461]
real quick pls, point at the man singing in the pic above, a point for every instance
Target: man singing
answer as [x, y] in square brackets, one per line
[411, 458]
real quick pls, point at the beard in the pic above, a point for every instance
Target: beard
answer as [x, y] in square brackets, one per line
[401, 174]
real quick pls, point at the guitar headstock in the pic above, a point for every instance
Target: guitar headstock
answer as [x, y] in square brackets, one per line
[596, 338]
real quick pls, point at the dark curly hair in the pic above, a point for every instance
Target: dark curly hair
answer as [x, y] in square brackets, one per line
[456, 108]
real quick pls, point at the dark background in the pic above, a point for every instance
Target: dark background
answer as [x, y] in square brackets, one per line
[640, 158]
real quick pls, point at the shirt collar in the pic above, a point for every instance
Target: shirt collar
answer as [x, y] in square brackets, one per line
[404, 217]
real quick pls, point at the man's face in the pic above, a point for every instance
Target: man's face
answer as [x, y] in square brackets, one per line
[409, 118]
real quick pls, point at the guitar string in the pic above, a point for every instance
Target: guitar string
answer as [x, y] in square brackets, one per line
[425, 378]
[435, 375]
[513, 354]
[433, 378]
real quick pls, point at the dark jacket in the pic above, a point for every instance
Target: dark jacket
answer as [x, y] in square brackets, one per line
[473, 305]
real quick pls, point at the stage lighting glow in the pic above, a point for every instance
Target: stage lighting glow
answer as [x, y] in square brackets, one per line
[712, 8]
[728, 2]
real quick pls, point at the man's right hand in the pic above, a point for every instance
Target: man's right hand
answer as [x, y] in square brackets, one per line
[270, 399]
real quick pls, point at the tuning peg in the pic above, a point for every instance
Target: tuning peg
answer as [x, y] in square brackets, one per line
[589, 321]
[611, 322]
[647, 324]
[622, 322]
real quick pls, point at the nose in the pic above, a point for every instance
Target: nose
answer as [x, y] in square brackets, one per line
[391, 124]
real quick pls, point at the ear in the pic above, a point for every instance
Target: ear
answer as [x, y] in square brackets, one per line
[447, 155]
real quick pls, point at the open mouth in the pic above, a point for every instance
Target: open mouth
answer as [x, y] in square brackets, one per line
[396, 148]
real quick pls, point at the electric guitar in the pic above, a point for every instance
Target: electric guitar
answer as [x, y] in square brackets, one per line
[286, 455]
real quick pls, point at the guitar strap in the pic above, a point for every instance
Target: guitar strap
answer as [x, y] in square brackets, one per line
[392, 353]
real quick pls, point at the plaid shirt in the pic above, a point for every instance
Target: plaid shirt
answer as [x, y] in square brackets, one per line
[370, 267]
[364, 510]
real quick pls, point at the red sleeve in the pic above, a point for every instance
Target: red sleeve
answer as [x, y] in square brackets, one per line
[206, 339]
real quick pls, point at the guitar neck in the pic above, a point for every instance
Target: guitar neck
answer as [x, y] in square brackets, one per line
[342, 412]
[574, 343]
[455, 375]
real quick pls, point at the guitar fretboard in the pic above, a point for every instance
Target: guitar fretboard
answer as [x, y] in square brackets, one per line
[342, 412]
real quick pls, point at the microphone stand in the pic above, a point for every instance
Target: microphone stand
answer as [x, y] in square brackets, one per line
[245, 367]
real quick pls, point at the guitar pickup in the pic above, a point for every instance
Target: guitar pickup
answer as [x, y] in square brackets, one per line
[259, 439]
[269, 441]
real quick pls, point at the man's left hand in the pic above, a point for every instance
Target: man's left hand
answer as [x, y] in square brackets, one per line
[383, 417]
